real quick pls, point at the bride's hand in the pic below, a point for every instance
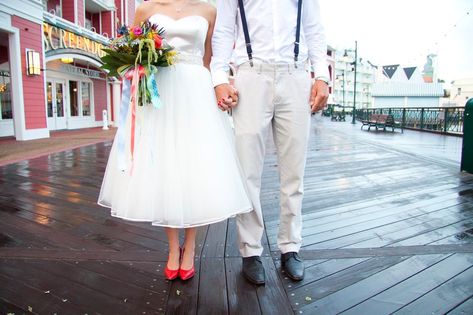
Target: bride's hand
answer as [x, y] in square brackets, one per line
[227, 96]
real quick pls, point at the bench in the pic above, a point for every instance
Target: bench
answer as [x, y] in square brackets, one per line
[381, 121]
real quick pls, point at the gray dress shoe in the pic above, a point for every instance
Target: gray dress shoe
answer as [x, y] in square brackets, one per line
[253, 270]
[293, 265]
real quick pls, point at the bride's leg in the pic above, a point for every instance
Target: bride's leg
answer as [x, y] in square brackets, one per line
[174, 251]
[189, 249]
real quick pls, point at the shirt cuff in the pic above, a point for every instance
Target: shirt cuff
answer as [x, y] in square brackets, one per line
[219, 77]
[321, 71]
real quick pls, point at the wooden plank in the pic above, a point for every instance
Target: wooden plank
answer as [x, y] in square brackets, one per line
[7, 308]
[317, 290]
[53, 293]
[242, 296]
[183, 295]
[272, 296]
[464, 308]
[77, 255]
[212, 287]
[410, 289]
[443, 298]
[216, 240]
[21, 298]
[375, 233]
[231, 245]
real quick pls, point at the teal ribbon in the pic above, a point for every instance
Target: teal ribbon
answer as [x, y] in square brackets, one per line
[152, 86]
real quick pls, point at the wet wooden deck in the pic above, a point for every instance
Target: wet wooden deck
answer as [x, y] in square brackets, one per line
[388, 228]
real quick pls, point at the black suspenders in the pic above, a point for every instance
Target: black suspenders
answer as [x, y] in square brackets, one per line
[244, 23]
[249, 51]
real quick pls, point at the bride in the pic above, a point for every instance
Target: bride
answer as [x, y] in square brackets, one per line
[185, 172]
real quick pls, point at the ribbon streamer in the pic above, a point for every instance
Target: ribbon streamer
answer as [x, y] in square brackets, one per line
[153, 87]
[121, 158]
[132, 93]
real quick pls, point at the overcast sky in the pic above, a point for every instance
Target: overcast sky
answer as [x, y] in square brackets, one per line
[405, 32]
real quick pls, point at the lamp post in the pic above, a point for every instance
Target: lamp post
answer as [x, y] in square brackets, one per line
[354, 63]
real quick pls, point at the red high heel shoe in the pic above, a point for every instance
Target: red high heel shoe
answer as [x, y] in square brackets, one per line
[186, 274]
[171, 274]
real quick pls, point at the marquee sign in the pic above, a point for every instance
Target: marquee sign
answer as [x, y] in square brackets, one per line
[55, 38]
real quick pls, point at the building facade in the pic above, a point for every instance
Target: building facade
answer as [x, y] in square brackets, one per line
[50, 76]
[460, 92]
[399, 86]
[344, 81]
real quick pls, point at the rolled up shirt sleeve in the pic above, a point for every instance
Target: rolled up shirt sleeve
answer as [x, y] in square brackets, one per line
[314, 34]
[223, 40]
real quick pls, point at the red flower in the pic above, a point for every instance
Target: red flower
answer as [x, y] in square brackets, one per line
[158, 41]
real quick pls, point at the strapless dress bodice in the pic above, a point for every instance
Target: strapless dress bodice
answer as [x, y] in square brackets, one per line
[187, 34]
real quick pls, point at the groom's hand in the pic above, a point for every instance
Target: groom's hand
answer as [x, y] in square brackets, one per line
[318, 96]
[227, 96]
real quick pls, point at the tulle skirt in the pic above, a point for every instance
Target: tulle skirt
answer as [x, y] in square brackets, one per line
[185, 171]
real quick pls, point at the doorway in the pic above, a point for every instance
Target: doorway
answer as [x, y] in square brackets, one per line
[57, 116]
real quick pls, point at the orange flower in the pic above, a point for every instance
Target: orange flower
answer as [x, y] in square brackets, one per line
[158, 41]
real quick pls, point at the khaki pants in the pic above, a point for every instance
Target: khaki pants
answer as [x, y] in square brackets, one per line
[272, 96]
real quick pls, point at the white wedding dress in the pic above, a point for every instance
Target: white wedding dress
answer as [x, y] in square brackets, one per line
[185, 171]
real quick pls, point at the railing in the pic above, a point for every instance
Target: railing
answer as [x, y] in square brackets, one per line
[447, 120]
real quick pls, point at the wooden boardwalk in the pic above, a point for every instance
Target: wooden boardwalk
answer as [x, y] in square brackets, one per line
[387, 229]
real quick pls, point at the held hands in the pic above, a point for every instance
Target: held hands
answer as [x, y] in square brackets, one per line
[318, 95]
[227, 96]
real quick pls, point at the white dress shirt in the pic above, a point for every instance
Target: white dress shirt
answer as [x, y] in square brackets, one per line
[272, 27]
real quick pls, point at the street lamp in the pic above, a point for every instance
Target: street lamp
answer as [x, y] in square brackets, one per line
[343, 86]
[345, 57]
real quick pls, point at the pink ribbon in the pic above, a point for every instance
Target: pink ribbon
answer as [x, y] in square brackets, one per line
[134, 75]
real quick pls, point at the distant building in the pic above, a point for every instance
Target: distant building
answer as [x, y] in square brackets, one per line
[344, 76]
[398, 86]
[460, 92]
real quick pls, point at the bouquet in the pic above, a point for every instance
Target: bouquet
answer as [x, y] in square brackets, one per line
[135, 54]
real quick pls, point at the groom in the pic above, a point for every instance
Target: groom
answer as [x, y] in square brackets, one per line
[271, 41]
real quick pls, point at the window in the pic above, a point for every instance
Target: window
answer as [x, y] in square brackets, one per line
[50, 98]
[5, 83]
[53, 6]
[85, 93]
[74, 95]
[81, 103]
[5, 97]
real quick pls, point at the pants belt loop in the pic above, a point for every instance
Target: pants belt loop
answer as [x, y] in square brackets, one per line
[260, 68]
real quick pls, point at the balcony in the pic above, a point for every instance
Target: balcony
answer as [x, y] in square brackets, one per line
[67, 25]
[97, 6]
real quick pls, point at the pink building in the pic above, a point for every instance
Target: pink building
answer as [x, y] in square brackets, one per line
[50, 76]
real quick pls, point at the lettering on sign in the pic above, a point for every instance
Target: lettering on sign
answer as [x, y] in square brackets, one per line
[81, 71]
[57, 38]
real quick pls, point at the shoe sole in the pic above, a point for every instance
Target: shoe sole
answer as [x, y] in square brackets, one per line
[283, 267]
[292, 277]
